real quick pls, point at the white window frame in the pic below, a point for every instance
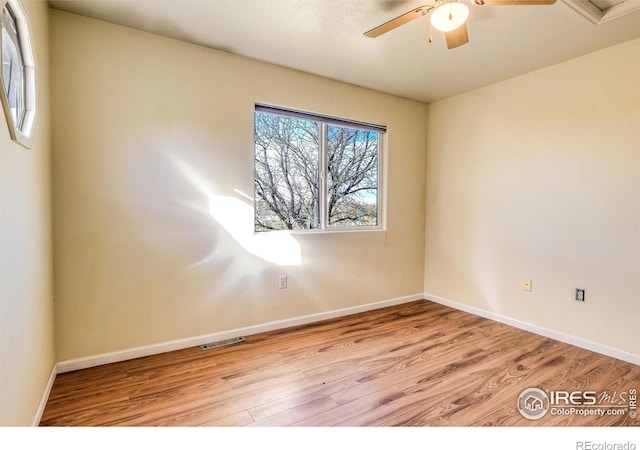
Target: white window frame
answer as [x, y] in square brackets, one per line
[22, 132]
[324, 122]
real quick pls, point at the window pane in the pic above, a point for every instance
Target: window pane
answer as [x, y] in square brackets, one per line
[352, 181]
[287, 181]
[13, 67]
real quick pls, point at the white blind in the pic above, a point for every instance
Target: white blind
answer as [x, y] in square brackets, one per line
[319, 117]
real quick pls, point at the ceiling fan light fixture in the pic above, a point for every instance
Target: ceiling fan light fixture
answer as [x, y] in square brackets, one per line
[449, 16]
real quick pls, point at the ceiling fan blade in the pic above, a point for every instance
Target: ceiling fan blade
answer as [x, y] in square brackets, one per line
[398, 21]
[513, 2]
[457, 37]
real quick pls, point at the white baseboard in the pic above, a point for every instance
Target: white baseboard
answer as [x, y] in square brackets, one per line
[138, 352]
[45, 397]
[566, 338]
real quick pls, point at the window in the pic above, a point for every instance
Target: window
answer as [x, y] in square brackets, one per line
[314, 172]
[17, 75]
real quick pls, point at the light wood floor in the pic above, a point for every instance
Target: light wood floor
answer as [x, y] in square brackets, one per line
[417, 364]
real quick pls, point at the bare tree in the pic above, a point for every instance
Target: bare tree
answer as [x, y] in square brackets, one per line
[353, 176]
[287, 174]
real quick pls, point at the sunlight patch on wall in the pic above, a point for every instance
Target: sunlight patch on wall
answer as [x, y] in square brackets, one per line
[236, 216]
[235, 213]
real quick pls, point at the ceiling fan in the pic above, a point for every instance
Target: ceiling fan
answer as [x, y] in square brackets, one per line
[449, 16]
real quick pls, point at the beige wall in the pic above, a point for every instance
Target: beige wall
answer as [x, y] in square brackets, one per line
[26, 293]
[539, 177]
[153, 135]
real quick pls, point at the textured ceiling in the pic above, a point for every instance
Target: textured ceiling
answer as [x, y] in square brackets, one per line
[325, 37]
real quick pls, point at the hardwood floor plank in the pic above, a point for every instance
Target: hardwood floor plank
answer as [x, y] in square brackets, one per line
[298, 412]
[416, 364]
[240, 419]
[431, 392]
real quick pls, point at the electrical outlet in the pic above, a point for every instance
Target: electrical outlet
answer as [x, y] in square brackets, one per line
[580, 295]
[283, 282]
[526, 285]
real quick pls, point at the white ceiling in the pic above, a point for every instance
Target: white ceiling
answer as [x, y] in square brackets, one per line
[325, 37]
